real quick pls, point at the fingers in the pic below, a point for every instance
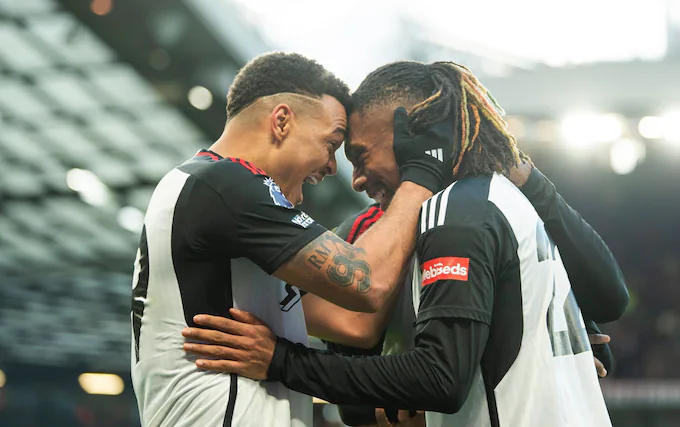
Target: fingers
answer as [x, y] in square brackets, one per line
[221, 324]
[245, 317]
[403, 415]
[381, 418]
[224, 366]
[216, 337]
[599, 366]
[215, 351]
[401, 122]
[599, 338]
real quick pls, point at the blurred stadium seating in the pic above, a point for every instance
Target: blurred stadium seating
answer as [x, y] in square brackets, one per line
[99, 98]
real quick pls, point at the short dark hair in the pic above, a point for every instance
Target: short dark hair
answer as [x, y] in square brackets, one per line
[279, 72]
[446, 91]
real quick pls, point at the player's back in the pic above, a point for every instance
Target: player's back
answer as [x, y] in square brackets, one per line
[537, 366]
[214, 230]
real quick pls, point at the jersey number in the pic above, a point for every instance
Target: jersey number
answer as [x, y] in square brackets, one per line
[567, 331]
[292, 298]
[140, 283]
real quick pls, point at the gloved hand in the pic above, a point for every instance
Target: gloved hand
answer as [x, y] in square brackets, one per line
[425, 158]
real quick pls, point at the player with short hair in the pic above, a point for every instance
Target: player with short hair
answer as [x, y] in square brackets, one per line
[499, 338]
[221, 231]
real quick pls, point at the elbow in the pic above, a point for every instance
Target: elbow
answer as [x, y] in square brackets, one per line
[617, 307]
[449, 403]
[374, 299]
[364, 338]
[614, 307]
[449, 397]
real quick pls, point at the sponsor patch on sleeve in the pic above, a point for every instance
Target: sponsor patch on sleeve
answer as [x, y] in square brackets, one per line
[447, 268]
[303, 220]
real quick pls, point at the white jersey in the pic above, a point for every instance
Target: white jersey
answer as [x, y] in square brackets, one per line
[214, 231]
[537, 368]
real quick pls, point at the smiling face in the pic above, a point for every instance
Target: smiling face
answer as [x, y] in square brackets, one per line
[308, 152]
[369, 148]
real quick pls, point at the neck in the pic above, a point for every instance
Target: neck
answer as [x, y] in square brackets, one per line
[244, 143]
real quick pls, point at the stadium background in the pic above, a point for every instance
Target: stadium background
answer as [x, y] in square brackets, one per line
[98, 99]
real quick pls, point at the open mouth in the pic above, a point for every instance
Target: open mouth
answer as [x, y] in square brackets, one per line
[378, 196]
[311, 179]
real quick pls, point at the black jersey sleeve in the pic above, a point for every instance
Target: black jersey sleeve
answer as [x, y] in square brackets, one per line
[458, 271]
[435, 376]
[265, 227]
[594, 274]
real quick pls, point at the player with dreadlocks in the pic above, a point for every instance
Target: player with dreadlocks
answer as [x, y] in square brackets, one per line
[498, 338]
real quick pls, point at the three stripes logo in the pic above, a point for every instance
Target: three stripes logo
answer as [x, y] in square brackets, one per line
[433, 211]
[436, 153]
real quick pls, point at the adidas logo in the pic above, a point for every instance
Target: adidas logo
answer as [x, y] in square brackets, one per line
[437, 154]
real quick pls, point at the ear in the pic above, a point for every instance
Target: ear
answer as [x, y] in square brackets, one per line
[281, 119]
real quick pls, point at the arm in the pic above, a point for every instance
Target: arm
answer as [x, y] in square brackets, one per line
[331, 323]
[337, 325]
[451, 334]
[435, 376]
[364, 275]
[452, 330]
[595, 276]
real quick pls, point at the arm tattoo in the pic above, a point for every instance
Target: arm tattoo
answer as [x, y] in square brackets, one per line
[339, 259]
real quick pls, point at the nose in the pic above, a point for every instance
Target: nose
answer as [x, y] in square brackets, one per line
[332, 166]
[358, 181]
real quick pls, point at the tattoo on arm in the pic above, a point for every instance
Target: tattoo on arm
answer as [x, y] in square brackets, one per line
[339, 260]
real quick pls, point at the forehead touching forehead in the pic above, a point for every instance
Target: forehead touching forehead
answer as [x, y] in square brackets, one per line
[337, 115]
[372, 128]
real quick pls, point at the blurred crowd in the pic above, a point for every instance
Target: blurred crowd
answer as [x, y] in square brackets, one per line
[646, 341]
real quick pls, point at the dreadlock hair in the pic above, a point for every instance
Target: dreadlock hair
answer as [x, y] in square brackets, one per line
[279, 72]
[446, 91]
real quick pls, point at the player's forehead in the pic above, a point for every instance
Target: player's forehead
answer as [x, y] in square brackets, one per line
[368, 129]
[335, 115]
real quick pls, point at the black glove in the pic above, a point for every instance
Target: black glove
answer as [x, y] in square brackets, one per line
[425, 158]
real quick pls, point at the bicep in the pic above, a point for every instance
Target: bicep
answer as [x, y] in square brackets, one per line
[332, 269]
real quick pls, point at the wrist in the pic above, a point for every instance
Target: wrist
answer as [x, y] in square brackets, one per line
[278, 362]
[421, 178]
[415, 190]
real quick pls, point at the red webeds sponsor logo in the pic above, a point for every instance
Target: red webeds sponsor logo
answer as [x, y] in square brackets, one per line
[448, 268]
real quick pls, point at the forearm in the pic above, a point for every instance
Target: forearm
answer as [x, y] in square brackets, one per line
[330, 322]
[363, 276]
[595, 276]
[333, 323]
[390, 242]
[354, 415]
[435, 376]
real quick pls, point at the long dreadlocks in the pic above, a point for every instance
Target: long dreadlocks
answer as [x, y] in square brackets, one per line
[447, 91]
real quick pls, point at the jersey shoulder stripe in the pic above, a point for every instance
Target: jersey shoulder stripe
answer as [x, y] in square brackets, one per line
[465, 202]
[344, 230]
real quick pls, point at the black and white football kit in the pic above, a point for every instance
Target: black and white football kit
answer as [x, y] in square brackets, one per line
[499, 338]
[214, 231]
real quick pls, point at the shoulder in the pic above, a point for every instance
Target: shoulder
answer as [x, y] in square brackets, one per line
[467, 211]
[233, 178]
[464, 203]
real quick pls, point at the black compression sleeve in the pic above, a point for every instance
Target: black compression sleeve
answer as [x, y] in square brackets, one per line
[353, 415]
[595, 276]
[436, 375]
